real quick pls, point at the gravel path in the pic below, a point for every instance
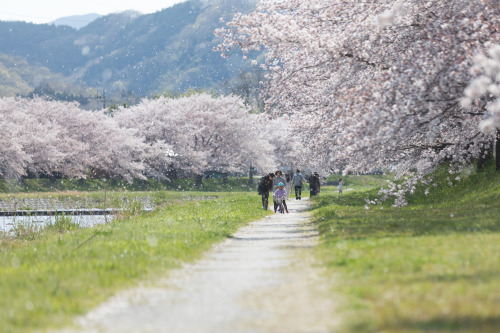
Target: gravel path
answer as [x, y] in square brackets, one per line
[261, 280]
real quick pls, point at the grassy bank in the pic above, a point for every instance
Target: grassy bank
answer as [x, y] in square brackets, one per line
[106, 199]
[31, 194]
[88, 185]
[429, 267]
[365, 181]
[46, 281]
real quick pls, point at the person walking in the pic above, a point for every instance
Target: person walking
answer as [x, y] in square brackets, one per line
[278, 178]
[288, 184]
[314, 184]
[298, 180]
[341, 186]
[318, 184]
[265, 185]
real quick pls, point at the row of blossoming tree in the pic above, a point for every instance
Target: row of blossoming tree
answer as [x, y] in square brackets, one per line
[191, 134]
[376, 84]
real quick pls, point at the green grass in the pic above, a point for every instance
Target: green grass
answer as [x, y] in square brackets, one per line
[363, 181]
[431, 266]
[45, 282]
[87, 185]
[110, 199]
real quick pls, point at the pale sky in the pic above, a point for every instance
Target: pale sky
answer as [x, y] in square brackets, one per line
[44, 11]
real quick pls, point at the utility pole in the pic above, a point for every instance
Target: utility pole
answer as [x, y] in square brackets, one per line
[102, 97]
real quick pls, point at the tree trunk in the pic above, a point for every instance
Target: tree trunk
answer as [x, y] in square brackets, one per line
[225, 178]
[199, 180]
[53, 178]
[171, 173]
[497, 150]
[82, 184]
[485, 155]
[250, 175]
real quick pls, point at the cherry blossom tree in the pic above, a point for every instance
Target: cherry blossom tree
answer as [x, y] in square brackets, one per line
[374, 83]
[47, 138]
[486, 85]
[196, 133]
[286, 143]
[34, 135]
[13, 159]
[206, 133]
[110, 151]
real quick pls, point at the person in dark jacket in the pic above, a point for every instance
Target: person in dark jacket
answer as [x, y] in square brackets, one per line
[318, 183]
[314, 184]
[265, 185]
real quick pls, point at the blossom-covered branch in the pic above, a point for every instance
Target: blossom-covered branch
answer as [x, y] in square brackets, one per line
[360, 80]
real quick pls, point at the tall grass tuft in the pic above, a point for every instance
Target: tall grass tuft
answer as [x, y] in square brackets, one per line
[62, 223]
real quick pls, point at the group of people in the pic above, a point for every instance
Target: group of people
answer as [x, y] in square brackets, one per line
[276, 183]
[281, 186]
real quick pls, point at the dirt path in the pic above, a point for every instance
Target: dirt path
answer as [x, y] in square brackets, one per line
[261, 280]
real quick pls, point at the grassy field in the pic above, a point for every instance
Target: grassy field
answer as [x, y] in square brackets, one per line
[431, 266]
[110, 199]
[8, 187]
[358, 182]
[49, 279]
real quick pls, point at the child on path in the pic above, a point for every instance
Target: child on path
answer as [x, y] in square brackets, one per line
[341, 186]
[280, 194]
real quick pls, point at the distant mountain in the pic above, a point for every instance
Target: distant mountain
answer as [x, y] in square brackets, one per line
[131, 54]
[76, 21]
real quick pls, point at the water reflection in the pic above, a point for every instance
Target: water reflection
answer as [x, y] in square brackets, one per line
[8, 223]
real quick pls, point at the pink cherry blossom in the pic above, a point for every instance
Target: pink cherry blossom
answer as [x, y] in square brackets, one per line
[375, 84]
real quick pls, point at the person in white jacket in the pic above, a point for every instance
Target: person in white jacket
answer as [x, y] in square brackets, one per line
[297, 180]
